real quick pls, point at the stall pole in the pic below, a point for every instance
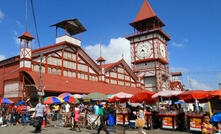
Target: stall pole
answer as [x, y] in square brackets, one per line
[210, 109]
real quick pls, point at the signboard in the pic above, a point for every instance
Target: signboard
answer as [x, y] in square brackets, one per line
[119, 119]
[195, 124]
[167, 122]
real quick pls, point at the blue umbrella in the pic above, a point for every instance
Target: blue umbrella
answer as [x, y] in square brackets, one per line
[216, 118]
[6, 101]
[21, 102]
[179, 102]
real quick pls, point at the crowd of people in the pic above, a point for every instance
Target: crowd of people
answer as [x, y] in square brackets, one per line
[77, 115]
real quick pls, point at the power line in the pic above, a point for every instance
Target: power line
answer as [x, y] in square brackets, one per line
[35, 22]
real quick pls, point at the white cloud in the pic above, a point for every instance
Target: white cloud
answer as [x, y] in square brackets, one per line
[181, 44]
[196, 85]
[111, 52]
[15, 38]
[2, 57]
[177, 44]
[218, 75]
[179, 69]
[18, 23]
[1, 16]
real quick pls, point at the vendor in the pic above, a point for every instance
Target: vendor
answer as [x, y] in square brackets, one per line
[206, 127]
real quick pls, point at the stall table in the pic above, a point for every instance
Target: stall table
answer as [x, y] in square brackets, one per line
[168, 121]
[194, 123]
[121, 117]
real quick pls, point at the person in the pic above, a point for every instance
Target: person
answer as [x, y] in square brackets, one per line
[180, 117]
[39, 114]
[102, 120]
[76, 117]
[67, 107]
[206, 127]
[56, 109]
[4, 114]
[96, 109]
[24, 112]
[141, 116]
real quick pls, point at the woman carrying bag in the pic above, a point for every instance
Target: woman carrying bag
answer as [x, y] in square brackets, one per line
[140, 121]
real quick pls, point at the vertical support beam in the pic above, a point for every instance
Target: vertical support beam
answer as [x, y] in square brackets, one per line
[130, 82]
[62, 62]
[77, 65]
[23, 86]
[88, 72]
[46, 64]
[109, 77]
[117, 74]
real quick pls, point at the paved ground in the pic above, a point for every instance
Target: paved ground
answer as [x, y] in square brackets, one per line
[51, 130]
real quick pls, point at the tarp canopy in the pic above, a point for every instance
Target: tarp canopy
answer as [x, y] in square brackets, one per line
[192, 95]
[144, 96]
[166, 94]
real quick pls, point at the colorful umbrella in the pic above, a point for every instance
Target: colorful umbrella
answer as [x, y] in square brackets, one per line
[64, 95]
[95, 96]
[71, 99]
[192, 95]
[109, 96]
[78, 96]
[144, 96]
[166, 94]
[53, 100]
[6, 101]
[121, 97]
[215, 94]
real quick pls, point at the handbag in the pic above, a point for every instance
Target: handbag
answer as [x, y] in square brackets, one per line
[139, 122]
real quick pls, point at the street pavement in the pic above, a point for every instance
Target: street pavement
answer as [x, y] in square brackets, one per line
[52, 130]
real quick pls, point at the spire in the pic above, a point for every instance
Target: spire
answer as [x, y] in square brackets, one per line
[145, 12]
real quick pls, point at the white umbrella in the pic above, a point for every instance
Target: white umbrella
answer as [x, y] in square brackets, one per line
[166, 93]
[122, 95]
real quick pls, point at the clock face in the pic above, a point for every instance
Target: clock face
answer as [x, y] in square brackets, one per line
[162, 50]
[143, 50]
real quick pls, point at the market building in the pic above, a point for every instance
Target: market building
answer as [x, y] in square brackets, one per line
[66, 67]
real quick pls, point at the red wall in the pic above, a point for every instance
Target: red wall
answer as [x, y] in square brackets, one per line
[7, 73]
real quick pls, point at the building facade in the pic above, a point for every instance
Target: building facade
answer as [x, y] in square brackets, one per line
[66, 67]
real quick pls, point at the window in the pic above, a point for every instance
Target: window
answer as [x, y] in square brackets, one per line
[59, 71]
[54, 70]
[74, 74]
[42, 69]
[36, 68]
[69, 73]
[49, 70]
[65, 73]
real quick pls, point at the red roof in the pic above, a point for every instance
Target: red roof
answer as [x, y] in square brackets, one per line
[100, 59]
[56, 83]
[145, 12]
[176, 74]
[27, 36]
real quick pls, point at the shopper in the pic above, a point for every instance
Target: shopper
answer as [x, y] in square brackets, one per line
[141, 117]
[76, 117]
[39, 114]
[101, 114]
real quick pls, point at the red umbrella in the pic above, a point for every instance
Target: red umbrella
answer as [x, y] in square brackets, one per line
[192, 95]
[143, 96]
[216, 93]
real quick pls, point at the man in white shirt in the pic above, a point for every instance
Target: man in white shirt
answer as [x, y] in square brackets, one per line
[67, 107]
[39, 114]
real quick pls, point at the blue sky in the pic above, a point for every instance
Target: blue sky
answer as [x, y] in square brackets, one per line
[194, 26]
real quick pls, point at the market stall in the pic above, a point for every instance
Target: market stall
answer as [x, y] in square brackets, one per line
[168, 121]
[194, 119]
[194, 123]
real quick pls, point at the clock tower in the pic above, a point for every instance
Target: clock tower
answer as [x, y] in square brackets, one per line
[148, 46]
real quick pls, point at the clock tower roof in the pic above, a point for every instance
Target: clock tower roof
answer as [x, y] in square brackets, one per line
[145, 12]
[146, 19]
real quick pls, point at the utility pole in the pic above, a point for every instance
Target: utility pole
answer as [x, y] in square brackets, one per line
[40, 89]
